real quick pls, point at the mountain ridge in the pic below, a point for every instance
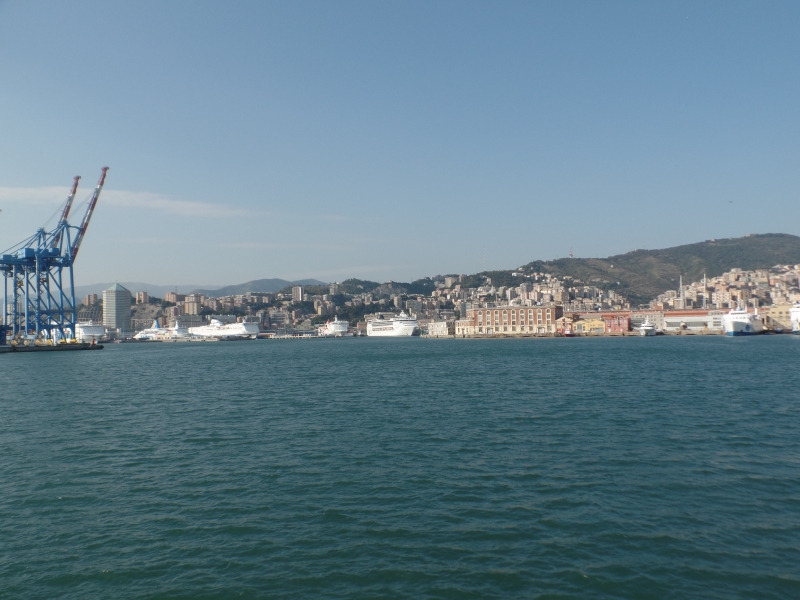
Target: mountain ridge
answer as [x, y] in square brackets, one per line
[261, 285]
[640, 275]
[644, 274]
[257, 285]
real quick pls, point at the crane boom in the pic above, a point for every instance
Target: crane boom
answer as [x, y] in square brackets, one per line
[88, 215]
[67, 207]
[70, 198]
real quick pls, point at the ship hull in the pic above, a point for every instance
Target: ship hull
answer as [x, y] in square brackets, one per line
[402, 326]
[394, 331]
[739, 323]
[741, 328]
[338, 329]
[241, 331]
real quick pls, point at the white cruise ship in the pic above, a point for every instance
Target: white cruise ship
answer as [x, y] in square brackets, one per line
[335, 328]
[89, 332]
[794, 313]
[740, 322]
[231, 331]
[162, 334]
[401, 325]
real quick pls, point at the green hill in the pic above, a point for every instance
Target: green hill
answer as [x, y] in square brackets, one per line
[258, 285]
[642, 275]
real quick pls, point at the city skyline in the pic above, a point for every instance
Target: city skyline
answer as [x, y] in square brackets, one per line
[394, 142]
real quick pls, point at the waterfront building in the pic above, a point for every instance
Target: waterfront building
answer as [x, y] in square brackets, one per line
[590, 324]
[693, 320]
[778, 316]
[117, 309]
[510, 320]
[617, 323]
[438, 329]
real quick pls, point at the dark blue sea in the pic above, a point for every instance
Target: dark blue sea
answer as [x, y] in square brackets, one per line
[410, 468]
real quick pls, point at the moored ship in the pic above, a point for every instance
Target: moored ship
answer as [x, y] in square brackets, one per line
[335, 328]
[231, 331]
[89, 332]
[162, 334]
[740, 322]
[647, 328]
[794, 313]
[399, 326]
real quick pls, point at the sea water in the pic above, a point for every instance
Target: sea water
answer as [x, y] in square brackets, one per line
[403, 468]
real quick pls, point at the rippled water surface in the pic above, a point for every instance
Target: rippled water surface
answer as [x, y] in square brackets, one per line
[591, 468]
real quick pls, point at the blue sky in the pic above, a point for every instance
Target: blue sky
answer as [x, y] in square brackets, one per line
[395, 140]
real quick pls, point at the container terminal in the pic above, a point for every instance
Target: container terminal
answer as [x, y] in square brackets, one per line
[39, 310]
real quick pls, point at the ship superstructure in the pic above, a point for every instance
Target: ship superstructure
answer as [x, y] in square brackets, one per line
[647, 328]
[399, 326]
[89, 332]
[163, 334]
[230, 331]
[335, 328]
[794, 314]
[741, 322]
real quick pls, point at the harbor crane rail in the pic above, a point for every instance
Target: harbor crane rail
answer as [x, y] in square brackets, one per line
[39, 272]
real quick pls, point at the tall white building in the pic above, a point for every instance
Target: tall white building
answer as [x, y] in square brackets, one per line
[117, 308]
[297, 293]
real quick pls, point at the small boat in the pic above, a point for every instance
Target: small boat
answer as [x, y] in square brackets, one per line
[647, 328]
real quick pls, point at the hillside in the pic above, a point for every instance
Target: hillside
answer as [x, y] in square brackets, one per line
[643, 274]
[257, 285]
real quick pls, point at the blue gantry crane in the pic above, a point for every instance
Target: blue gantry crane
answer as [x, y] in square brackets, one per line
[39, 272]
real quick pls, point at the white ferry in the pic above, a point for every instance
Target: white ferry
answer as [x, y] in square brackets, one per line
[740, 322]
[162, 334]
[794, 313]
[335, 328]
[232, 331]
[89, 332]
[401, 325]
[647, 328]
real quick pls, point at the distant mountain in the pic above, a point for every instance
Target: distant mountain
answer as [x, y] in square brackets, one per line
[134, 286]
[257, 285]
[644, 274]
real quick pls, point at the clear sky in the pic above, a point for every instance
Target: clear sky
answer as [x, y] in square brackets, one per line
[393, 140]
